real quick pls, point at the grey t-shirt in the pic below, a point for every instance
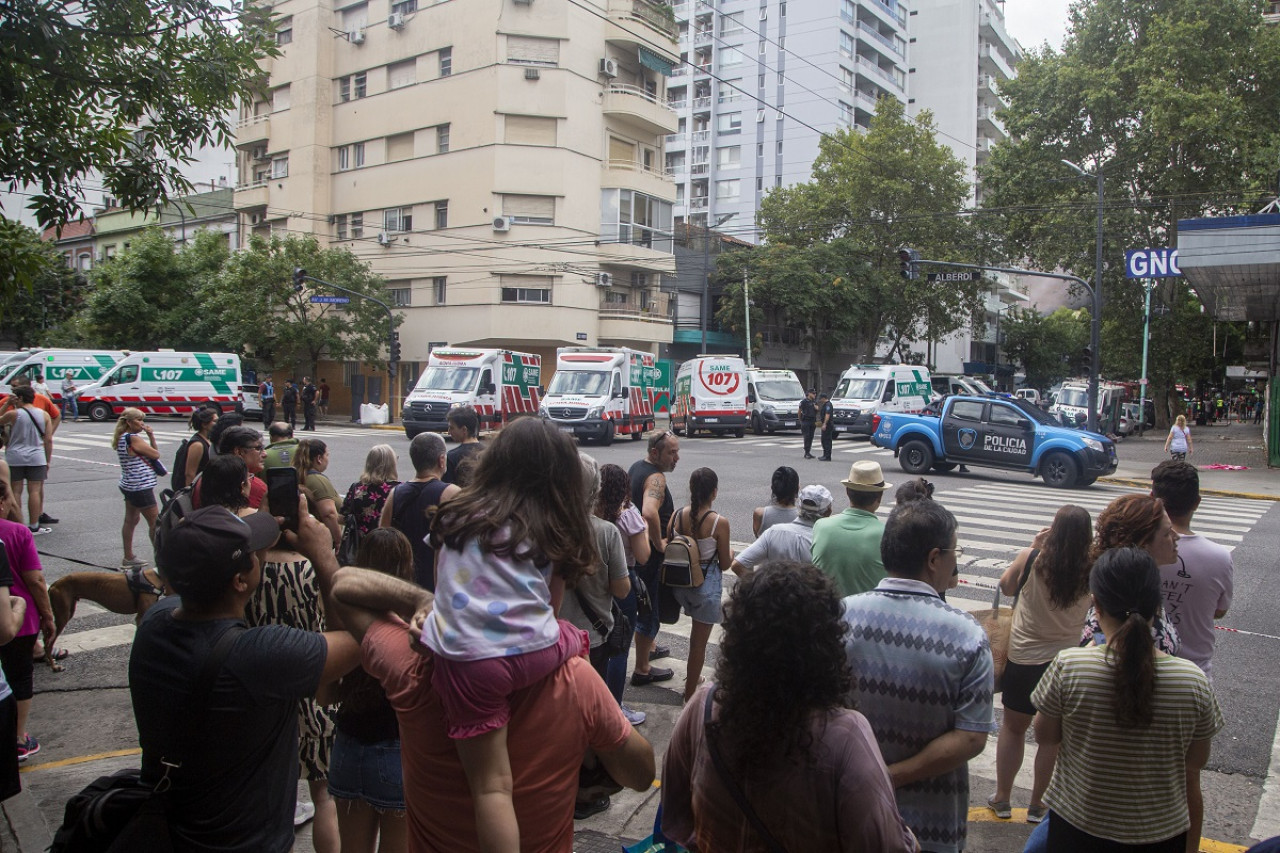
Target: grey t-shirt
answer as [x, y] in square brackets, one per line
[26, 444]
[595, 588]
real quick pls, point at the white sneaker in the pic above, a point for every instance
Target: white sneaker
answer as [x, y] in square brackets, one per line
[303, 812]
[635, 718]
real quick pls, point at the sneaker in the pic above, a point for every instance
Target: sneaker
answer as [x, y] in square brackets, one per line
[582, 811]
[1035, 814]
[303, 812]
[27, 747]
[654, 675]
[45, 518]
[40, 531]
[127, 565]
[1001, 808]
[635, 718]
[659, 652]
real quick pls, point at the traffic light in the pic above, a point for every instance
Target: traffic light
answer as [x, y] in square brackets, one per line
[1086, 359]
[395, 348]
[299, 277]
[909, 262]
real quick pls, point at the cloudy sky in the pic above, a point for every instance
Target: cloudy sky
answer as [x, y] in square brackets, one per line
[1033, 22]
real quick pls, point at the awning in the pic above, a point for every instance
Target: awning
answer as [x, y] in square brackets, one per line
[652, 60]
[1233, 263]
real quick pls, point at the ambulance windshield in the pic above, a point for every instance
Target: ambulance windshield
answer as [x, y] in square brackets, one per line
[779, 389]
[449, 379]
[588, 383]
[859, 389]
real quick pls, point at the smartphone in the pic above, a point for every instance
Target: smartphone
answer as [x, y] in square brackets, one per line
[282, 496]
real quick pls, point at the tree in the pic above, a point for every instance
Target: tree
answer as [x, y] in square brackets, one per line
[33, 311]
[829, 268]
[258, 311]
[1175, 100]
[1048, 349]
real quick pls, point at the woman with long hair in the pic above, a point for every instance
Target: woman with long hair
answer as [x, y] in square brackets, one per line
[1139, 521]
[808, 767]
[135, 446]
[203, 421]
[1053, 579]
[614, 505]
[711, 531]
[784, 487]
[311, 460]
[1178, 442]
[1134, 725]
[365, 777]
[366, 497]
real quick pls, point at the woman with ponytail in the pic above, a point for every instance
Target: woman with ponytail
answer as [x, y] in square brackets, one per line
[784, 485]
[1134, 725]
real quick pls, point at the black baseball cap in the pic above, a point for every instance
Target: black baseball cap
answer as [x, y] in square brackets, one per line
[202, 552]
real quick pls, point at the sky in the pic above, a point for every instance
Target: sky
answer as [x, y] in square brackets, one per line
[1033, 22]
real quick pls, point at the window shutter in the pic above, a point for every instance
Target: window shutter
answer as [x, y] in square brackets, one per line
[537, 51]
[621, 151]
[399, 147]
[402, 74]
[531, 130]
[529, 206]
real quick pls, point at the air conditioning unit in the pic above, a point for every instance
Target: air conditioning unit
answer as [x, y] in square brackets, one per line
[396, 20]
[609, 67]
[502, 223]
[604, 279]
[384, 239]
[259, 152]
[356, 36]
[523, 2]
[532, 74]
[256, 218]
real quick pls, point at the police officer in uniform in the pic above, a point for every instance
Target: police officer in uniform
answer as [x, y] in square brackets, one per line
[826, 421]
[808, 421]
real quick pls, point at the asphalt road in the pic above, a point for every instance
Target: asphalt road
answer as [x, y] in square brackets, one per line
[84, 711]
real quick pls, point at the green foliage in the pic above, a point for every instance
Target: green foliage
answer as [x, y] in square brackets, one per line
[1046, 348]
[828, 267]
[1176, 101]
[24, 258]
[53, 293]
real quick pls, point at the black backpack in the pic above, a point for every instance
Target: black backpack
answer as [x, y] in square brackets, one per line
[178, 479]
[174, 506]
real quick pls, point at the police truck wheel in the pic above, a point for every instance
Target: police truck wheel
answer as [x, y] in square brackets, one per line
[1086, 481]
[100, 412]
[1059, 471]
[916, 457]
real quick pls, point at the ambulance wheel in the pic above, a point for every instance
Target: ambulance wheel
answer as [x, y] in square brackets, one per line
[915, 457]
[944, 466]
[100, 412]
[637, 434]
[1059, 471]
[741, 431]
[608, 435]
[677, 430]
[757, 426]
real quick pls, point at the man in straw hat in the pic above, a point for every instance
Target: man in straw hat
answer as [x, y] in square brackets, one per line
[847, 546]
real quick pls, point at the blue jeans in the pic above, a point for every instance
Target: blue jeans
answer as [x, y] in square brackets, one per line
[615, 671]
[1038, 842]
[70, 404]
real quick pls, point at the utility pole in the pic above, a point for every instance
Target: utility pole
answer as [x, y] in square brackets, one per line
[1095, 329]
[706, 267]
[1148, 285]
[746, 303]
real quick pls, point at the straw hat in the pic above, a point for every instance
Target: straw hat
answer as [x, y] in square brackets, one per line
[866, 476]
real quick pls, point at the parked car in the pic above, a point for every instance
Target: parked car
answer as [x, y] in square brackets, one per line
[250, 403]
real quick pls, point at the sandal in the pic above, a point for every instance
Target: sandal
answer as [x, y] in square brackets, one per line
[1003, 810]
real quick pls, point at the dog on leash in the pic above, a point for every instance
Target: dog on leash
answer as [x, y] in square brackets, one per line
[133, 591]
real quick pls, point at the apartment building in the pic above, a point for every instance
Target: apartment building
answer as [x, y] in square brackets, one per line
[500, 164]
[759, 82]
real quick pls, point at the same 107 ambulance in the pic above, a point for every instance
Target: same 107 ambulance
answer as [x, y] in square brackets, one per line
[600, 392]
[164, 383]
[499, 384]
[711, 395]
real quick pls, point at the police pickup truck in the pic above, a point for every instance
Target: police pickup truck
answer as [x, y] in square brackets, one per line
[996, 432]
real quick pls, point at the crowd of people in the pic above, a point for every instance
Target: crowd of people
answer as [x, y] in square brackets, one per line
[460, 683]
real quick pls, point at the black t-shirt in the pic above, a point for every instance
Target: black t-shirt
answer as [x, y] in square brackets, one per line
[237, 787]
[290, 397]
[827, 410]
[308, 394]
[640, 472]
[455, 472]
[410, 503]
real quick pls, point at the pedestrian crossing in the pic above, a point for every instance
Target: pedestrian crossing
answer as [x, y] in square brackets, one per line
[840, 446]
[65, 441]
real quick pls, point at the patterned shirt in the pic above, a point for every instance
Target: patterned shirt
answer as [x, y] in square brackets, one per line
[1124, 784]
[135, 474]
[921, 668]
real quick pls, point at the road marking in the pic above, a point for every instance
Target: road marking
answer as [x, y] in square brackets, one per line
[982, 814]
[98, 638]
[1268, 820]
[80, 759]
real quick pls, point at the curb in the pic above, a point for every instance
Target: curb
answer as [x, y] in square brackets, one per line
[1217, 493]
[26, 824]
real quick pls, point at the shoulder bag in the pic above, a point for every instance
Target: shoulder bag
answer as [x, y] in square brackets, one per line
[617, 640]
[731, 784]
[998, 622]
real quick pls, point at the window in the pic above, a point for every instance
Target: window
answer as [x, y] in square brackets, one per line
[353, 86]
[846, 113]
[728, 189]
[354, 17]
[759, 184]
[401, 297]
[280, 98]
[530, 130]
[397, 219]
[846, 79]
[530, 209]
[538, 295]
[446, 61]
[401, 74]
[351, 156]
[730, 91]
[729, 157]
[782, 10]
[759, 149]
[438, 289]
[846, 44]
[442, 214]
[777, 180]
[109, 252]
[967, 411]
[729, 123]
[340, 226]
[404, 7]
[280, 166]
[399, 147]
[527, 50]
[284, 31]
[731, 24]
[761, 49]
[442, 139]
[1005, 415]
[357, 226]
[641, 220]
[760, 82]
[730, 56]
[847, 11]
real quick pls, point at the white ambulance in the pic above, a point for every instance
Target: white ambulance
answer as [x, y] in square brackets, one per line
[865, 389]
[85, 366]
[774, 398]
[711, 395]
[600, 392]
[164, 383]
[499, 384]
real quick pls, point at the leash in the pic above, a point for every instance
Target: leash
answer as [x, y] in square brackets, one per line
[115, 569]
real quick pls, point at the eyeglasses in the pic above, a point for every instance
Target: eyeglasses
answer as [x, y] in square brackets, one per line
[958, 551]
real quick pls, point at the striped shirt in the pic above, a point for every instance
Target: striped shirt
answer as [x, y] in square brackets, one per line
[135, 474]
[1124, 784]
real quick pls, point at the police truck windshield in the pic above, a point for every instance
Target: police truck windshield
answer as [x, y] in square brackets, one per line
[780, 389]
[588, 383]
[449, 379]
[859, 389]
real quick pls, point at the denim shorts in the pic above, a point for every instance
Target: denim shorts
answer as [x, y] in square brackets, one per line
[703, 604]
[367, 771]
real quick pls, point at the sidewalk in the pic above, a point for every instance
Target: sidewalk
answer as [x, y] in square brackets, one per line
[1224, 444]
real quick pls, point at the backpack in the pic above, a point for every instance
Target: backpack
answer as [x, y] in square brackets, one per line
[178, 481]
[174, 506]
[681, 559]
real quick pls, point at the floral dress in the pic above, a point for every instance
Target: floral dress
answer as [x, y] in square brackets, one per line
[365, 502]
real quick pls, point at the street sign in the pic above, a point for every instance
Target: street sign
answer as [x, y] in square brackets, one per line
[1142, 381]
[953, 277]
[331, 300]
[582, 336]
[1151, 263]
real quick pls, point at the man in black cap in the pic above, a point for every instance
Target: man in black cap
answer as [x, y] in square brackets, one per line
[826, 422]
[235, 745]
[808, 421]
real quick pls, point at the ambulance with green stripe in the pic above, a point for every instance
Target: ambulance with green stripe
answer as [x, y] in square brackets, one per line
[85, 366]
[867, 389]
[164, 383]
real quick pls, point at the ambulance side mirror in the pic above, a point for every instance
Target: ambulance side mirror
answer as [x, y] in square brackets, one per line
[751, 396]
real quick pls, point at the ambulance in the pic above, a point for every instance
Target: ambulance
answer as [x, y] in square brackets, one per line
[164, 383]
[499, 384]
[865, 389]
[711, 395]
[774, 398]
[85, 366]
[600, 392]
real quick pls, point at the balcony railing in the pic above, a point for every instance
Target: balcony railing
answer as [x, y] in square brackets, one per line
[639, 306]
[698, 202]
[653, 14]
[250, 121]
[678, 104]
[253, 185]
[880, 37]
[679, 71]
[895, 13]
[674, 139]
[635, 166]
[630, 91]
[872, 68]
[700, 136]
[702, 103]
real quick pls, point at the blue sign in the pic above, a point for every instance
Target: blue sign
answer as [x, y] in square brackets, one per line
[331, 300]
[1151, 263]
[582, 336]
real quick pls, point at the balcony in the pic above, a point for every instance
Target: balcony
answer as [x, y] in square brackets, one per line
[630, 320]
[704, 37]
[700, 137]
[254, 129]
[676, 139]
[641, 20]
[992, 28]
[637, 107]
[993, 62]
[701, 105]
[864, 101]
[678, 105]
[893, 12]
[632, 175]
[253, 194]
[698, 202]
[989, 125]
[882, 75]
[679, 71]
[879, 38]
[989, 90]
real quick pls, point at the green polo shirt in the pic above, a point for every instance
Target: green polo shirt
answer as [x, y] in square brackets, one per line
[847, 547]
[280, 454]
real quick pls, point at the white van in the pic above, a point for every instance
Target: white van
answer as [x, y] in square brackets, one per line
[85, 366]
[711, 394]
[165, 383]
[945, 384]
[774, 399]
[498, 383]
[866, 389]
[600, 392]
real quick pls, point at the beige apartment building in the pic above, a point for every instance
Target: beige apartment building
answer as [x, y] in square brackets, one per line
[500, 163]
